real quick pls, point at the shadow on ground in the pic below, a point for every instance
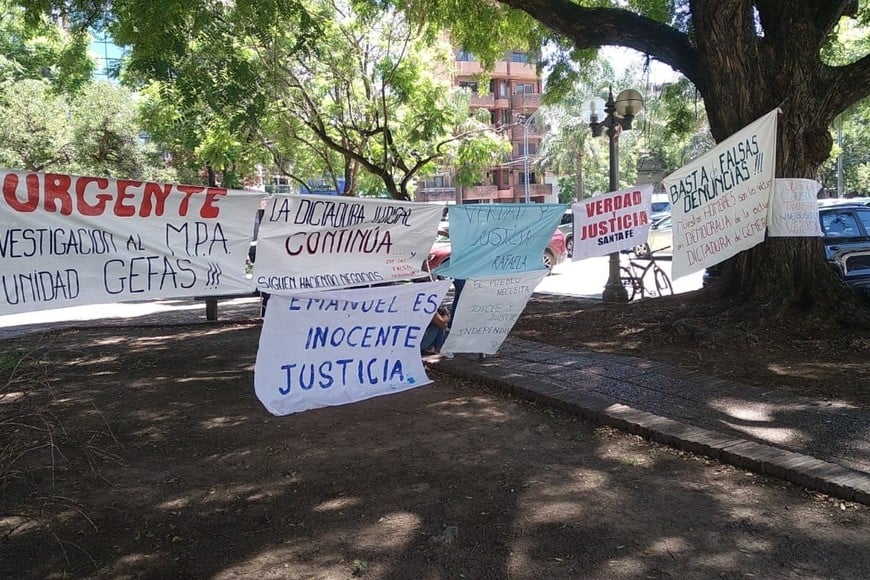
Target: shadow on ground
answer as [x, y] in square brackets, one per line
[164, 464]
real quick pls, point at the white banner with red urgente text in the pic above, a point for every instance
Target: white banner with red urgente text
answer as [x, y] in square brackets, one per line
[327, 242]
[719, 201]
[612, 222]
[68, 240]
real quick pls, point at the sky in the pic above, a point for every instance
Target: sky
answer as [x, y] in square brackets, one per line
[106, 53]
[622, 57]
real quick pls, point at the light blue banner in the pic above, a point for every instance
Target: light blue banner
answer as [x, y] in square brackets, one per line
[499, 238]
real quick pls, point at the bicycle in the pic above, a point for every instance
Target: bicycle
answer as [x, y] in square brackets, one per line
[633, 276]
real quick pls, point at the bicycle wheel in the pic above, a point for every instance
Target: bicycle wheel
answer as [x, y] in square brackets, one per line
[631, 284]
[663, 283]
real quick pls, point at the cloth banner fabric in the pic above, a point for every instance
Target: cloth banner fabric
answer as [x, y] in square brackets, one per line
[67, 240]
[321, 349]
[499, 239]
[612, 222]
[719, 202]
[487, 309]
[794, 209]
[317, 242]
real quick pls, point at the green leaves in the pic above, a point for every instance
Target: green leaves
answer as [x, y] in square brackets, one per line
[42, 51]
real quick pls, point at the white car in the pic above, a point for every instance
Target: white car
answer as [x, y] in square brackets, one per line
[660, 240]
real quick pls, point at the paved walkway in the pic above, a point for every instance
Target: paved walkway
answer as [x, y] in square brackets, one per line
[822, 445]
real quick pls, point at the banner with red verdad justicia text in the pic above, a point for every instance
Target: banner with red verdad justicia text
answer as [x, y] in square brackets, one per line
[612, 222]
[68, 240]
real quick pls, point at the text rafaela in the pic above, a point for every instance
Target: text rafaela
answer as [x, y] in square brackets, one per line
[96, 196]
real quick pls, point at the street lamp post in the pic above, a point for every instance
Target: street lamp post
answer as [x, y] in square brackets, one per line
[618, 116]
[526, 122]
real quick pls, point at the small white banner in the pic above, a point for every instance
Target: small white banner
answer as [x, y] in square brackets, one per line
[719, 202]
[318, 242]
[612, 222]
[794, 209]
[322, 349]
[67, 240]
[487, 310]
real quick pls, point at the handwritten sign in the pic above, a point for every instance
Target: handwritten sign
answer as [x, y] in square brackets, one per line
[612, 222]
[67, 240]
[315, 242]
[334, 347]
[487, 310]
[720, 200]
[794, 209]
[496, 239]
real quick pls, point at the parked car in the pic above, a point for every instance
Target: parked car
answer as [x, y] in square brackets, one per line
[846, 228]
[660, 239]
[828, 201]
[566, 226]
[661, 207]
[554, 253]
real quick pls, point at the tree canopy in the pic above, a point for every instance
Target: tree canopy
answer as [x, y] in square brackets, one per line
[744, 57]
[42, 51]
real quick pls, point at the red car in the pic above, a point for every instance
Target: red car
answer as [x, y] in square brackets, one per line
[555, 253]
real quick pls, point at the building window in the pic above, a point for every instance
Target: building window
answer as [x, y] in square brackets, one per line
[464, 56]
[502, 89]
[519, 57]
[524, 89]
[522, 178]
[504, 179]
[470, 85]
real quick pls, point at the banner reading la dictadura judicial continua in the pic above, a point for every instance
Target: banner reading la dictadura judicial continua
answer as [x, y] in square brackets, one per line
[68, 240]
[316, 242]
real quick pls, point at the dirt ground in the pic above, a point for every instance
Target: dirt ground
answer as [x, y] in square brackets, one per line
[147, 455]
[819, 356]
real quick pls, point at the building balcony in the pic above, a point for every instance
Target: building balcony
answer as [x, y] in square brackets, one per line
[435, 194]
[518, 133]
[521, 71]
[482, 101]
[502, 103]
[467, 68]
[481, 192]
[537, 191]
[525, 102]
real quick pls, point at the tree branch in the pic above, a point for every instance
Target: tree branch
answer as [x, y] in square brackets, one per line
[596, 27]
[828, 13]
[845, 85]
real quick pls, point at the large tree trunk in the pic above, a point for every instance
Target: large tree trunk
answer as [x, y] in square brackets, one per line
[743, 78]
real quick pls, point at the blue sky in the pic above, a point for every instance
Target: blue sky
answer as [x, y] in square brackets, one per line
[106, 53]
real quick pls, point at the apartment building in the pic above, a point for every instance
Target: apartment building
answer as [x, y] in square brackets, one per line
[512, 98]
